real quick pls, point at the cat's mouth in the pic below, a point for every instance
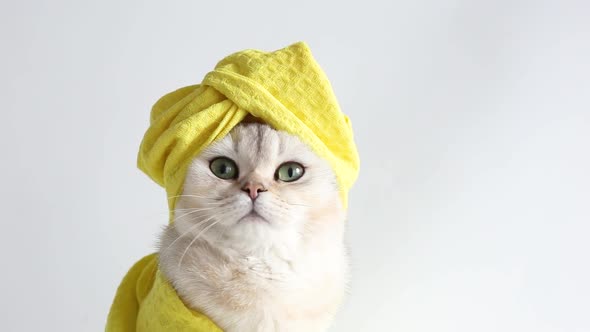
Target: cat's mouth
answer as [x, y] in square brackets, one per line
[252, 216]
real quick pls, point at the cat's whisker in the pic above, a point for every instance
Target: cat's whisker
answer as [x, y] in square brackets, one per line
[194, 209]
[280, 198]
[167, 213]
[189, 213]
[201, 207]
[185, 233]
[197, 196]
[195, 239]
[296, 204]
[198, 223]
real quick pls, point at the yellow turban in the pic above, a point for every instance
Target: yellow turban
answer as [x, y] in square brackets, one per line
[286, 89]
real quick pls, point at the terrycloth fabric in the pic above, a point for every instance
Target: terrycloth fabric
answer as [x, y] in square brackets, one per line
[286, 89]
[146, 302]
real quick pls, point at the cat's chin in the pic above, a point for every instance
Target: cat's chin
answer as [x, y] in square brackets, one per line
[253, 217]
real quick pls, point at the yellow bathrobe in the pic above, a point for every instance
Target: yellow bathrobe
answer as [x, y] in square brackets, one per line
[286, 89]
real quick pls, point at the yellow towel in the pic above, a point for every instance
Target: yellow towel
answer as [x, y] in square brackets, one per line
[286, 89]
[145, 301]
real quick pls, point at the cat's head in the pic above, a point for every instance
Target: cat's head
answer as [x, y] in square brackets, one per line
[257, 188]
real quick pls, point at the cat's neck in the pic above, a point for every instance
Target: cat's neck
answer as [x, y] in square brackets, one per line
[181, 255]
[262, 286]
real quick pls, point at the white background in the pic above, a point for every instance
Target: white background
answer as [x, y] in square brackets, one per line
[472, 209]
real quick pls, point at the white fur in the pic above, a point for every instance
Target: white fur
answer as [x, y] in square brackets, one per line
[285, 270]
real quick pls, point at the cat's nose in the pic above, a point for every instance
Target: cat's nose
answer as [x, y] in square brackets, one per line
[253, 189]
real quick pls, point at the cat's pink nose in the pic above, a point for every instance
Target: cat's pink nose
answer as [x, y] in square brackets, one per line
[253, 189]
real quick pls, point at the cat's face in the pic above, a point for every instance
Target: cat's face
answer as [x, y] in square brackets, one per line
[256, 188]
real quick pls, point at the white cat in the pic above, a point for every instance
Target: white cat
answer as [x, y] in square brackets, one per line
[257, 241]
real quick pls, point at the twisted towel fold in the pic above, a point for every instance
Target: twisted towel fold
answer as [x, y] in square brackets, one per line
[286, 89]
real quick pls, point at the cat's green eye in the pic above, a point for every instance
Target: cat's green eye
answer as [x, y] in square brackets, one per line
[224, 168]
[290, 171]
